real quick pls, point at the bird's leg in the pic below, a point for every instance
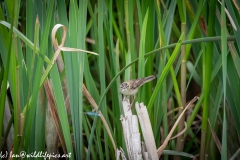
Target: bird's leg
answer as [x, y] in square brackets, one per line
[130, 107]
[125, 98]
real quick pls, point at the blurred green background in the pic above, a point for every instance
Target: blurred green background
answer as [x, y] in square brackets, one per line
[192, 47]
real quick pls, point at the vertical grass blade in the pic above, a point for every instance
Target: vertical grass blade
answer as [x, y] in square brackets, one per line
[224, 74]
[101, 63]
[182, 12]
[141, 62]
[58, 94]
[207, 70]
[39, 65]
[5, 79]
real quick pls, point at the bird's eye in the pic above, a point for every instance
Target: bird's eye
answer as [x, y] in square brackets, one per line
[124, 85]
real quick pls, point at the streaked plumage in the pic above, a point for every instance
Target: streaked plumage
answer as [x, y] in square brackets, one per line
[129, 88]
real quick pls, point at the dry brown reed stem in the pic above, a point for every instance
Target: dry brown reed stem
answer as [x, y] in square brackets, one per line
[161, 148]
[54, 113]
[95, 106]
[215, 138]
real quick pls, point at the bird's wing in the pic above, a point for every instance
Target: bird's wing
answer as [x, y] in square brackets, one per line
[138, 82]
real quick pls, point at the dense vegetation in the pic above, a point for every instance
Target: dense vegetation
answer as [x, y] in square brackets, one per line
[48, 91]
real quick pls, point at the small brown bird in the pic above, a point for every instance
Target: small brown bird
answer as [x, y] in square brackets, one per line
[129, 88]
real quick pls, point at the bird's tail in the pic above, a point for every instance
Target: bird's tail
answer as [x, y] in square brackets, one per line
[149, 78]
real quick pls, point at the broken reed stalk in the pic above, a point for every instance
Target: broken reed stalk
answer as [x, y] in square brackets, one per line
[129, 122]
[132, 136]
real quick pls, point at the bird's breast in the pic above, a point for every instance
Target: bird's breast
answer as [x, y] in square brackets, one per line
[129, 92]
